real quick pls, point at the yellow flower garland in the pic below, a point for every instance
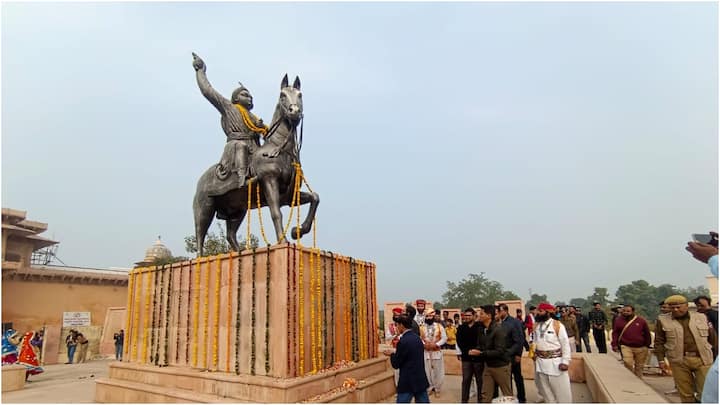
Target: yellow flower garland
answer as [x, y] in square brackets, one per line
[249, 213]
[129, 312]
[229, 312]
[206, 318]
[262, 227]
[312, 314]
[196, 311]
[146, 316]
[216, 304]
[245, 114]
[319, 300]
[301, 313]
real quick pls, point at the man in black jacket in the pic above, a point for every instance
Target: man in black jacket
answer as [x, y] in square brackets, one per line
[472, 366]
[598, 320]
[492, 349]
[409, 358]
[515, 339]
[583, 324]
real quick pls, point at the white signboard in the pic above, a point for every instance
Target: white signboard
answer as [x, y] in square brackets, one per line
[76, 318]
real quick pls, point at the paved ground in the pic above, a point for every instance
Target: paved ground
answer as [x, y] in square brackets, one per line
[75, 383]
[451, 392]
[61, 383]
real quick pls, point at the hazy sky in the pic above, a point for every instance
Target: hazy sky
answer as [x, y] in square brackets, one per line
[554, 146]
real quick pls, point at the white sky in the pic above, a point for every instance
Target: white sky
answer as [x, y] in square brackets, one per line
[554, 146]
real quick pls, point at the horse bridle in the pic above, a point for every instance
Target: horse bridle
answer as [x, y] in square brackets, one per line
[298, 144]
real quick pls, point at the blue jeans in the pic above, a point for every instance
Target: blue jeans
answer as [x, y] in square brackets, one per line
[118, 352]
[71, 353]
[420, 397]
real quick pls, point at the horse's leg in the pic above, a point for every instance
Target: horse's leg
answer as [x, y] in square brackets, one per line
[314, 200]
[272, 197]
[203, 211]
[232, 227]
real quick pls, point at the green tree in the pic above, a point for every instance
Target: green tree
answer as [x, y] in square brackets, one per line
[473, 291]
[581, 303]
[693, 292]
[601, 295]
[216, 244]
[168, 260]
[640, 294]
[535, 299]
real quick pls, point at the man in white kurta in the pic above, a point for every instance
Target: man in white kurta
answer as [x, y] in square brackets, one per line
[433, 336]
[552, 357]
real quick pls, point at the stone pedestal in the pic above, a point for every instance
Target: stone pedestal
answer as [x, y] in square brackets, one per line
[13, 377]
[274, 314]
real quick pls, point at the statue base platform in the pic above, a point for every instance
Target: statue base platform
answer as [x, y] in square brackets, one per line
[128, 382]
[13, 377]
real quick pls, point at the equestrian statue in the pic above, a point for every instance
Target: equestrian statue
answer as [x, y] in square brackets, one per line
[245, 164]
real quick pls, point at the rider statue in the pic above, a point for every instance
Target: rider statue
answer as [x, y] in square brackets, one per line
[242, 128]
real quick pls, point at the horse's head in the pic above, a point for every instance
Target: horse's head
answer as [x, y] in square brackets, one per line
[290, 104]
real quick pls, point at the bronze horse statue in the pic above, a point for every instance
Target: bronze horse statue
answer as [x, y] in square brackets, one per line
[272, 167]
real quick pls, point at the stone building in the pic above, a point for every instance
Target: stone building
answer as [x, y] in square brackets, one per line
[36, 296]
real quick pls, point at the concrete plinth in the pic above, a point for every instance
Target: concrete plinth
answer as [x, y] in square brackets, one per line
[13, 377]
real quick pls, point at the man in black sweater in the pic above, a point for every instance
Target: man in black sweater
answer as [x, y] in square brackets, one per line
[492, 349]
[472, 366]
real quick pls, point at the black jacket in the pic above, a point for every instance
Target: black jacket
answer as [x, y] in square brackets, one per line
[467, 338]
[514, 335]
[409, 358]
[492, 343]
[583, 323]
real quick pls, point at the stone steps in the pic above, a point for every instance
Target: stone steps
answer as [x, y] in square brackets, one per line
[113, 390]
[162, 384]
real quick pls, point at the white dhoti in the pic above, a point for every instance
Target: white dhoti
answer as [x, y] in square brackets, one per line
[435, 372]
[554, 388]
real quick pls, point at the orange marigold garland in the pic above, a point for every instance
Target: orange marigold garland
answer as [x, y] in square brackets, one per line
[252, 317]
[206, 315]
[129, 314]
[311, 270]
[136, 320]
[196, 311]
[301, 312]
[216, 311]
[228, 326]
[146, 318]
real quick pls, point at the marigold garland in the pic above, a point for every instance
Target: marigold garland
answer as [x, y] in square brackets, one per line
[267, 310]
[229, 313]
[301, 313]
[318, 300]
[129, 313]
[216, 307]
[237, 314]
[206, 315]
[295, 201]
[326, 346]
[136, 321]
[346, 308]
[249, 213]
[248, 117]
[155, 321]
[333, 357]
[313, 320]
[260, 220]
[146, 318]
[295, 315]
[196, 311]
[252, 317]
[177, 319]
[167, 314]
[288, 313]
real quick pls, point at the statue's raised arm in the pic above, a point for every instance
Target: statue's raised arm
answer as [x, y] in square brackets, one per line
[206, 89]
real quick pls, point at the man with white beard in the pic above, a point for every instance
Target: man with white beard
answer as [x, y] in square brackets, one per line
[433, 336]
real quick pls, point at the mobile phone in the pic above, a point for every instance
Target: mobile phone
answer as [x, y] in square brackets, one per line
[702, 238]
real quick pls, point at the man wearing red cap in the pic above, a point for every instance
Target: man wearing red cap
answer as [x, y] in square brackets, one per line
[552, 356]
[392, 334]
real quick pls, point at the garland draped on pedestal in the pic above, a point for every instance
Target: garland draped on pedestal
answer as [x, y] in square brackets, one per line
[129, 315]
[167, 314]
[237, 315]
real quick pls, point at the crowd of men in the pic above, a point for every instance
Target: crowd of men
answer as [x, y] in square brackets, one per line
[489, 343]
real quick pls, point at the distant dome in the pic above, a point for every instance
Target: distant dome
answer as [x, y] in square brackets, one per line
[157, 251]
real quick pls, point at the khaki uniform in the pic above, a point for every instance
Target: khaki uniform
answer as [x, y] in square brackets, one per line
[690, 361]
